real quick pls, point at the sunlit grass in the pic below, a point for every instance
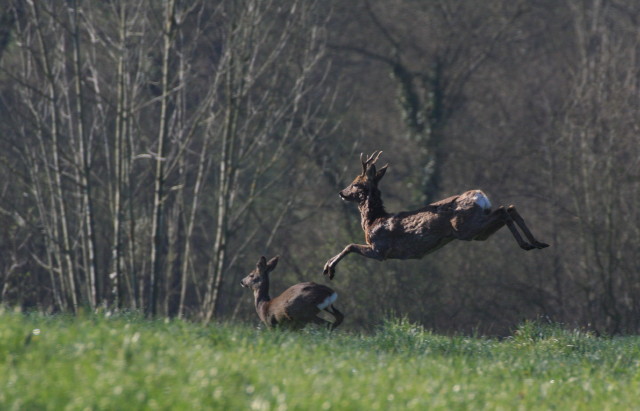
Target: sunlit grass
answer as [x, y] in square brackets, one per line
[127, 362]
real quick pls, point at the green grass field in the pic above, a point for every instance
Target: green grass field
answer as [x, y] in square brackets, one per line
[128, 363]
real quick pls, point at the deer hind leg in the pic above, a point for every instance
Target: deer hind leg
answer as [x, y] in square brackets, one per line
[515, 216]
[337, 315]
[498, 219]
[321, 322]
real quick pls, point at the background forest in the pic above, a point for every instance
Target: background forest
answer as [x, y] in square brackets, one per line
[151, 151]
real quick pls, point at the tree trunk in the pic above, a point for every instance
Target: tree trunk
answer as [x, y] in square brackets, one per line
[158, 228]
[65, 253]
[85, 167]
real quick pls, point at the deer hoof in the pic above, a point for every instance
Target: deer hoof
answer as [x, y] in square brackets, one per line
[540, 245]
[330, 271]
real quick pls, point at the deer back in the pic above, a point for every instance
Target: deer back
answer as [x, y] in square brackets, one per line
[301, 302]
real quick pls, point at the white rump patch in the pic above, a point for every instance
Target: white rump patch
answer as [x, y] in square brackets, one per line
[328, 301]
[481, 199]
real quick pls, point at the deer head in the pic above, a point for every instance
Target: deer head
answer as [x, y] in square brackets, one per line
[367, 182]
[260, 275]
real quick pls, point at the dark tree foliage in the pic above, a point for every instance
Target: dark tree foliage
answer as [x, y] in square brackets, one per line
[150, 152]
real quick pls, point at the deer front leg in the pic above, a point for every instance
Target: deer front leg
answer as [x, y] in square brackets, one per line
[364, 250]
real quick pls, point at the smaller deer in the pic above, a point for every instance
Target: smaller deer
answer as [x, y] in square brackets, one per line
[297, 306]
[413, 234]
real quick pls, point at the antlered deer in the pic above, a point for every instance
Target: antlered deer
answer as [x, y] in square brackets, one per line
[297, 306]
[413, 234]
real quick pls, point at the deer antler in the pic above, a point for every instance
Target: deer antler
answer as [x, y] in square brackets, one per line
[370, 160]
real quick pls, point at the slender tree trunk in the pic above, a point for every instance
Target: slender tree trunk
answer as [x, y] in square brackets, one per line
[65, 254]
[226, 174]
[85, 167]
[51, 233]
[190, 225]
[121, 125]
[134, 284]
[157, 228]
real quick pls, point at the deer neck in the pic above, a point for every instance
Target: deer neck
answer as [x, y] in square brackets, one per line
[372, 209]
[261, 295]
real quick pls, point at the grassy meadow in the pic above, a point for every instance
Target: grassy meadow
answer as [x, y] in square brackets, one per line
[125, 362]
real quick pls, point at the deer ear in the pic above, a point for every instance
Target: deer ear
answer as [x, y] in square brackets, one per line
[272, 263]
[262, 263]
[381, 172]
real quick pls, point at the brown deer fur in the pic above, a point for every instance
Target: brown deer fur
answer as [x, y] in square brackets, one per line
[297, 306]
[413, 234]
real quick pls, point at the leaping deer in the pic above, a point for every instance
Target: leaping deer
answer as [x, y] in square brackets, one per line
[297, 306]
[413, 234]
